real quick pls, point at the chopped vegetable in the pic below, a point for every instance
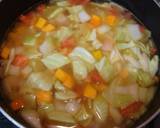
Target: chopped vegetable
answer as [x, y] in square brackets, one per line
[65, 95]
[96, 44]
[55, 61]
[77, 63]
[41, 80]
[5, 53]
[63, 33]
[105, 69]
[103, 29]
[59, 86]
[134, 31]
[65, 78]
[54, 13]
[82, 114]
[116, 115]
[72, 106]
[31, 52]
[115, 56]
[95, 77]
[122, 46]
[93, 35]
[48, 28]
[47, 47]
[153, 65]
[11, 58]
[62, 117]
[95, 21]
[122, 100]
[84, 16]
[144, 79]
[79, 69]
[68, 43]
[30, 40]
[131, 109]
[63, 3]
[20, 61]
[40, 23]
[17, 104]
[90, 91]
[97, 54]
[100, 108]
[111, 20]
[83, 54]
[31, 117]
[44, 96]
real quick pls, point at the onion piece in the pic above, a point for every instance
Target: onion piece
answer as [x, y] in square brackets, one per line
[83, 54]
[103, 29]
[115, 114]
[84, 16]
[31, 117]
[134, 31]
[100, 108]
[72, 106]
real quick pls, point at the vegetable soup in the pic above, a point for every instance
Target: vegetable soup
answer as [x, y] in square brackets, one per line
[79, 64]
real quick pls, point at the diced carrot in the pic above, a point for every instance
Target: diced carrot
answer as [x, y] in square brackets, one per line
[68, 43]
[97, 54]
[40, 8]
[77, 2]
[65, 78]
[131, 109]
[5, 52]
[90, 91]
[40, 23]
[111, 20]
[95, 21]
[44, 96]
[95, 77]
[17, 104]
[48, 28]
[124, 73]
[20, 61]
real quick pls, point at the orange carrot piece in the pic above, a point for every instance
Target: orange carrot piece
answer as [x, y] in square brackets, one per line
[95, 21]
[111, 20]
[65, 78]
[5, 52]
[90, 91]
[44, 96]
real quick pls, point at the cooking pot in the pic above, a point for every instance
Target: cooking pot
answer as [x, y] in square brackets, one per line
[146, 11]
